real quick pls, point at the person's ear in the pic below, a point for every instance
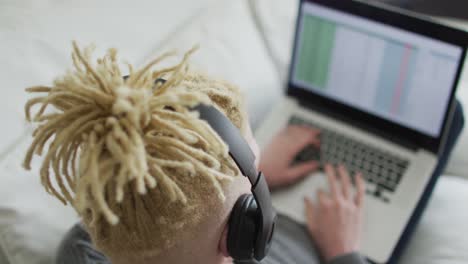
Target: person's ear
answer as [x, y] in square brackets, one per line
[223, 242]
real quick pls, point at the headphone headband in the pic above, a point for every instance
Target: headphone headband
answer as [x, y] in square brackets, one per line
[242, 155]
[239, 149]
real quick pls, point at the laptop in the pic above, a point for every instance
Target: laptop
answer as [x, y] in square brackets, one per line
[380, 84]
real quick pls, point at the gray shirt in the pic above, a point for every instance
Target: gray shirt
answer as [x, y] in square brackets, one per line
[291, 244]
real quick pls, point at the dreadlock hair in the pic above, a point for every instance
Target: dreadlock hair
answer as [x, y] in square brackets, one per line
[130, 155]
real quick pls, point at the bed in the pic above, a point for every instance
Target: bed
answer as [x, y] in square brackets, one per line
[246, 42]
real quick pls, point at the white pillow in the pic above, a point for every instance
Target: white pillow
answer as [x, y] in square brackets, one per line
[442, 234]
[35, 42]
[277, 21]
[231, 48]
[32, 222]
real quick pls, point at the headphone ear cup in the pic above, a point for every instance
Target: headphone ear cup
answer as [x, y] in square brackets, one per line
[243, 228]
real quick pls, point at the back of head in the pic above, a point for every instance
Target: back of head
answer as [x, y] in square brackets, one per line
[137, 164]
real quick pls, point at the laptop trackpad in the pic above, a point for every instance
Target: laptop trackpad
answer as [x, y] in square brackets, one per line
[290, 200]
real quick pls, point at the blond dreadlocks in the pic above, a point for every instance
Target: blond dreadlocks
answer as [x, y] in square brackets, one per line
[106, 134]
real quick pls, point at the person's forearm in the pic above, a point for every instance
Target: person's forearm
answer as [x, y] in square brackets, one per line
[351, 258]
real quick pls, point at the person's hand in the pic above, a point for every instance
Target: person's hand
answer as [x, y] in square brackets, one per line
[276, 158]
[335, 221]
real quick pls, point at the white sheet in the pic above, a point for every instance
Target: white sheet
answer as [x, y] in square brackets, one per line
[35, 42]
[231, 48]
[32, 222]
[441, 236]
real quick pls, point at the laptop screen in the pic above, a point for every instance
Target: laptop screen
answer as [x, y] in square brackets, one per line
[394, 74]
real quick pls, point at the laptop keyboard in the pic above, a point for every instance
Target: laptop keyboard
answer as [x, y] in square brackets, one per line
[382, 170]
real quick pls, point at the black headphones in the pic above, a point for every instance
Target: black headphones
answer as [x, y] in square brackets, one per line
[252, 220]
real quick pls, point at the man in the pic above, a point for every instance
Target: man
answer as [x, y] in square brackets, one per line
[333, 224]
[154, 184]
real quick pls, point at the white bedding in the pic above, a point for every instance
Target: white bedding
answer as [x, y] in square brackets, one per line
[442, 234]
[35, 42]
[232, 49]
